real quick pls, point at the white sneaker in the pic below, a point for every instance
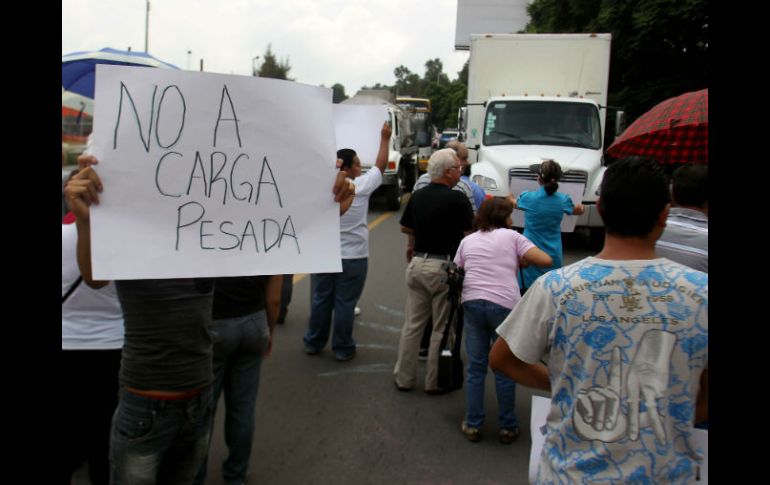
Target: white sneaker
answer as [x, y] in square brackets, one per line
[357, 311]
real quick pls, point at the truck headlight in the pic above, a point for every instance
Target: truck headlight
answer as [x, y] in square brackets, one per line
[485, 183]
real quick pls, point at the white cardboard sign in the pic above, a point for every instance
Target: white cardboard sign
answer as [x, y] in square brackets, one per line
[358, 127]
[212, 175]
[575, 191]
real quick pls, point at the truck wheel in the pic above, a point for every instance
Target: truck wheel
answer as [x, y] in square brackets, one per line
[393, 197]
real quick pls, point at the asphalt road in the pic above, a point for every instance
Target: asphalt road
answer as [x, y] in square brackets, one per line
[323, 421]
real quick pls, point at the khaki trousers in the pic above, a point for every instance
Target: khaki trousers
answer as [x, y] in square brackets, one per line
[426, 297]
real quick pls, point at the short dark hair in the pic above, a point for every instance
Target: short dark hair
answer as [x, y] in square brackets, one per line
[690, 186]
[346, 155]
[492, 214]
[632, 195]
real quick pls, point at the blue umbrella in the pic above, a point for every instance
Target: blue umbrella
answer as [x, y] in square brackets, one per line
[78, 69]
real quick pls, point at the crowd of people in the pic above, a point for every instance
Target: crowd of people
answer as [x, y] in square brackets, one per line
[619, 340]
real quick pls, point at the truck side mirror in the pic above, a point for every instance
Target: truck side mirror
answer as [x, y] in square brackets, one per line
[620, 122]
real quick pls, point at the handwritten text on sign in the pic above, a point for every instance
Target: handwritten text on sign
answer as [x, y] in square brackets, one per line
[212, 175]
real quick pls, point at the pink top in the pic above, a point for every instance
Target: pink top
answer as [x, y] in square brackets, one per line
[491, 263]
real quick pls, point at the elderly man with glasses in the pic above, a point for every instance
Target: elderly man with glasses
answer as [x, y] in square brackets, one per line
[435, 219]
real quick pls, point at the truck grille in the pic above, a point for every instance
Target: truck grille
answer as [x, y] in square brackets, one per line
[575, 176]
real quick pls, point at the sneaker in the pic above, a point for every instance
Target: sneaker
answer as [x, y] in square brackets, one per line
[508, 436]
[311, 351]
[473, 434]
[422, 354]
[357, 311]
[345, 357]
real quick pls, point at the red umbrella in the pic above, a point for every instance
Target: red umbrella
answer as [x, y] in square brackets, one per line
[674, 131]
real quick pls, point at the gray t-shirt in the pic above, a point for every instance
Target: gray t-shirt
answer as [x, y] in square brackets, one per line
[167, 345]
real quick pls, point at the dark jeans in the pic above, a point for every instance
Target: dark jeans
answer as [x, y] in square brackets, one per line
[159, 441]
[337, 292]
[88, 397]
[239, 345]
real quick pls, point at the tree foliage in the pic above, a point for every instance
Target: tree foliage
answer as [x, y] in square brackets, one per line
[338, 93]
[659, 47]
[273, 67]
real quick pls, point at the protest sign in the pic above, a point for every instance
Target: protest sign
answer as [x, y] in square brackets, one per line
[212, 175]
[358, 127]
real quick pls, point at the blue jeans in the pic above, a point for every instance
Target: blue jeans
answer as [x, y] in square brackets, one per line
[481, 319]
[159, 441]
[338, 292]
[239, 345]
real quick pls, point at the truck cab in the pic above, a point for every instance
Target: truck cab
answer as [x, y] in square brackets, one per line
[519, 131]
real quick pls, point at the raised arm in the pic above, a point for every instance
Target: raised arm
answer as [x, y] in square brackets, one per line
[81, 191]
[382, 154]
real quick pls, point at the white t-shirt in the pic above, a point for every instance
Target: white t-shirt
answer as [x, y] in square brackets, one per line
[354, 232]
[491, 263]
[626, 340]
[90, 319]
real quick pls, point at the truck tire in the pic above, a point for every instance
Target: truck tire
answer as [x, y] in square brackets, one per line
[393, 197]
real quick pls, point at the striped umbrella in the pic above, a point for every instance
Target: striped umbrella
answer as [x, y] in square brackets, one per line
[673, 132]
[78, 69]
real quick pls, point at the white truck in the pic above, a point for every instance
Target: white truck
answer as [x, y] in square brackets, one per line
[402, 150]
[533, 97]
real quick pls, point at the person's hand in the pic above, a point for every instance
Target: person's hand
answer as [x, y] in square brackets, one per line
[85, 161]
[386, 131]
[338, 163]
[597, 411]
[344, 190]
[578, 210]
[648, 376]
[81, 191]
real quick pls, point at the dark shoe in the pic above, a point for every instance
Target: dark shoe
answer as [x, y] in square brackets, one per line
[345, 357]
[311, 351]
[473, 434]
[508, 436]
[434, 392]
[422, 354]
[402, 389]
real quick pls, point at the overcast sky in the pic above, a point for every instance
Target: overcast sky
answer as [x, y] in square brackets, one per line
[353, 42]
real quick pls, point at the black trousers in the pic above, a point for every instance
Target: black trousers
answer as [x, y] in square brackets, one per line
[88, 397]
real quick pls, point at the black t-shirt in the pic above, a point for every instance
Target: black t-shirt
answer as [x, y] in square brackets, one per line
[439, 217]
[239, 296]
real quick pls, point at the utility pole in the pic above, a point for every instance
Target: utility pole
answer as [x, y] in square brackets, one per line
[146, 27]
[254, 66]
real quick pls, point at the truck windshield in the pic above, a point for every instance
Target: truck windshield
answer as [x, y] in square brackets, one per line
[542, 123]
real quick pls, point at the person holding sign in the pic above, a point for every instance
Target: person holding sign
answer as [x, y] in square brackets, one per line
[161, 426]
[339, 292]
[543, 212]
[626, 339]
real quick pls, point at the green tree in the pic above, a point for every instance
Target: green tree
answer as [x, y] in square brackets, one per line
[274, 68]
[338, 93]
[434, 72]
